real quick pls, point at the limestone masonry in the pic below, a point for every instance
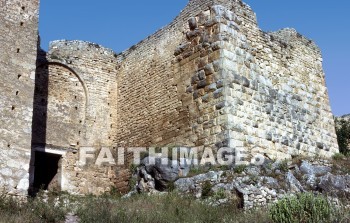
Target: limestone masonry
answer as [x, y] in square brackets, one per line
[211, 78]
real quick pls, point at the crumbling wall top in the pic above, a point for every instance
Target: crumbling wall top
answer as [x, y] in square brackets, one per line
[291, 36]
[78, 45]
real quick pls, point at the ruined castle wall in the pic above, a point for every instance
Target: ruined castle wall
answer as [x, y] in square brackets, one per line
[81, 94]
[247, 88]
[277, 101]
[60, 107]
[211, 78]
[207, 90]
[78, 108]
[18, 49]
[155, 105]
[141, 97]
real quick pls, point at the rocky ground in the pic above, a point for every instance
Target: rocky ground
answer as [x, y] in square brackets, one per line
[249, 186]
[277, 191]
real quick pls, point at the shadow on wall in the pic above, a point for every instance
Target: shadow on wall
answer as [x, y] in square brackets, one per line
[59, 114]
[39, 122]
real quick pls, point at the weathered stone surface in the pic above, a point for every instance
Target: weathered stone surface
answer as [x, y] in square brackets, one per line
[311, 172]
[184, 184]
[18, 51]
[332, 183]
[294, 184]
[162, 174]
[192, 22]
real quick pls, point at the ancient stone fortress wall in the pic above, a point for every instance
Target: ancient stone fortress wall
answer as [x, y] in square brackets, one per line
[211, 78]
[154, 108]
[86, 95]
[81, 94]
[18, 50]
[263, 92]
[277, 89]
[75, 105]
[231, 84]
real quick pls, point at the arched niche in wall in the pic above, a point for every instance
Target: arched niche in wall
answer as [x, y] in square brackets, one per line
[62, 99]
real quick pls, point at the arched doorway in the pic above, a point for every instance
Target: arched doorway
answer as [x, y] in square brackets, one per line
[60, 104]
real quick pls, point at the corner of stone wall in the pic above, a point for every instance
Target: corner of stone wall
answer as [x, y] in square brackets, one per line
[204, 47]
[237, 102]
[264, 113]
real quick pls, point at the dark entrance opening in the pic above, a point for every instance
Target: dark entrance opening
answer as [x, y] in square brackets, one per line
[46, 168]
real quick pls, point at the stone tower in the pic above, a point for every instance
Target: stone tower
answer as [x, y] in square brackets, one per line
[18, 52]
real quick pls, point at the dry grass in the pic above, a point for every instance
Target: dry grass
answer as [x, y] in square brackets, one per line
[34, 210]
[163, 208]
[140, 208]
[169, 207]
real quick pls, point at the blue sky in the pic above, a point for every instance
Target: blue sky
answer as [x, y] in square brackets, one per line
[120, 24]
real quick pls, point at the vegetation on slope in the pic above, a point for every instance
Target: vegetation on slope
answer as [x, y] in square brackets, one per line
[343, 134]
[169, 207]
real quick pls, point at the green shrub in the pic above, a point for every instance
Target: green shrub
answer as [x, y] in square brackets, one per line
[219, 194]
[239, 169]
[206, 189]
[343, 134]
[283, 166]
[47, 212]
[196, 170]
[306, 208]
[171, 186]
[338, 156]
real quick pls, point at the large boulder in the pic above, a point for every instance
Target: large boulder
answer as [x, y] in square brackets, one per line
[163, 171]
[307, 168]
[334, 184]
[184, 184]
[187, 184]
[294, 184]
[311, 172]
